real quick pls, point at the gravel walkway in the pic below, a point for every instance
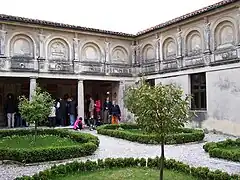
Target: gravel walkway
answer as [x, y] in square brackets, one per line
[192, 154]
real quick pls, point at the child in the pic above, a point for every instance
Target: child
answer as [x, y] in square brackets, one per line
[78, 124]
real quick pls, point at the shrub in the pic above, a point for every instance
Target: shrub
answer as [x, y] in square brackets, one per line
[108, 163]
[87, 145]
[183, 135]
[221, 149]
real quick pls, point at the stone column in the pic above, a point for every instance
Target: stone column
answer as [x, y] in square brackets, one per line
[80, 92]
[120, 97]
[206, 35]
[33, 85]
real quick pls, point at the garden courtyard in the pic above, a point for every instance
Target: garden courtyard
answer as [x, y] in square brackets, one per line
[192, 154]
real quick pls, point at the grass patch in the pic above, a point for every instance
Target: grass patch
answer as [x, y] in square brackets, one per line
[127, 173]
[27, 142]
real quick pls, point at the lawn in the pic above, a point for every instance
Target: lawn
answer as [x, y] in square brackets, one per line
[127, 173]
[28, 142]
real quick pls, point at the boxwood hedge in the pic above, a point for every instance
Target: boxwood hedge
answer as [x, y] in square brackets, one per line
[183, 135]
[171, 164]
[228, 149]
[87, 144]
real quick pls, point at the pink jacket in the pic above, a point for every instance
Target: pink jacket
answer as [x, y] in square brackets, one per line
[98, 105]
[76, 124]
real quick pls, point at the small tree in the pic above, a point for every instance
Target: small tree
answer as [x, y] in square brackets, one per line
[161, 109]
[37, 109]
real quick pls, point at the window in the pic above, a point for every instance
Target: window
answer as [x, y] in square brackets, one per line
[198, 91]
[151, 82]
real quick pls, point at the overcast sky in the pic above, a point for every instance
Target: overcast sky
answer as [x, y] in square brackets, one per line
[128, 16]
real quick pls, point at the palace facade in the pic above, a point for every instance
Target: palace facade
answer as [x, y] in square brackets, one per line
[199, 51]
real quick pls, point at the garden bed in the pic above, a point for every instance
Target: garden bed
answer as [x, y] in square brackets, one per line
[132, 132]
[128, 168]
[228, 149]
[50, 145]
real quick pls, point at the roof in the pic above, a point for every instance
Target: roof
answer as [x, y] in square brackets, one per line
[8, 18]
[187, 16]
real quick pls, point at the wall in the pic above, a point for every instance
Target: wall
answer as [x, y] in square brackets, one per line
[223, 101]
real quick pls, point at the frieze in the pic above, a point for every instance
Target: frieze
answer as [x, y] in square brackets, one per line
[194, 61]
[118, 70]
[91, 68]
[2, 64]
[170, 65]
[22, 64]
[227, 55]
[60, 66]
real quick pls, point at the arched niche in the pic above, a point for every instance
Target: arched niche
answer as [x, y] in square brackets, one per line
[169, 48]
[224, 35]
[91, 52]
[21, 45]
[119, 55]
[194, 45]
[58, 49]
[148, 53]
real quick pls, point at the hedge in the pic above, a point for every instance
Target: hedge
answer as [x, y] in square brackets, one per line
[108, 163]
[182, 135]
[87, 145]
[220, 149]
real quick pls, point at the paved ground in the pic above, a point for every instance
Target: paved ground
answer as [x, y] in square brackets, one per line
[192, 154]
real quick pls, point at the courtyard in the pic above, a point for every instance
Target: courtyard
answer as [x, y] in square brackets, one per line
[192, 154]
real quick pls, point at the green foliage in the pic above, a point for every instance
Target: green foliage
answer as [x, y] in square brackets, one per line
[160, 109]
[38, 108]
[229, 149]
[86, 145]
[111, 163]
[182, 135]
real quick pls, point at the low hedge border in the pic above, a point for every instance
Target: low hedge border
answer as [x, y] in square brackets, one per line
[183, 135]
[87, 145]
[108, 163]
[216, 149]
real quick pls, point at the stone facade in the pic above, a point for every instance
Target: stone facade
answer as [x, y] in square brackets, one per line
[206, 41]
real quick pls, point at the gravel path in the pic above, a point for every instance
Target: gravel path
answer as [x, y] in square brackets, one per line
[192, 154]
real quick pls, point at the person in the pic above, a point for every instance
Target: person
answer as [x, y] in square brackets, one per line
[115, 112]
[106, 108]
[78, 124]
[58, 114]
[52, 117]
[10, 109]
[98, 108]
[62, 111]
[72, 111]
[91, 111]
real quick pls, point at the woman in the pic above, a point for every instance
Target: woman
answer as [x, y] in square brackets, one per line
[106, 108]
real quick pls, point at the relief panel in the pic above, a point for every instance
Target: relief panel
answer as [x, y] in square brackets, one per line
[58, 50]
[119, 55]
[148, 53]
[91, 52]
[169, 49]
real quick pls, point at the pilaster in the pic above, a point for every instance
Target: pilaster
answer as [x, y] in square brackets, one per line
[2, 40]
[107, 52]
[207, 35]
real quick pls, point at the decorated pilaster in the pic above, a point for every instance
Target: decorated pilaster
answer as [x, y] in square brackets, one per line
[80, 91]
[238, 32]
[206, 35]
[41, 45]
[2, 40]
[133, 46]
[107, 53]
[179, 47]
[33, 85]
[157, 51]
[76, 47]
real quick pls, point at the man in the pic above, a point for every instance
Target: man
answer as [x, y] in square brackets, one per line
[10, 109]
[63, 111]
[91, 112]
[72, 111]
[115, 112]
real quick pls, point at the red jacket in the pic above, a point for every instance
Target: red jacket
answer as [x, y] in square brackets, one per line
[98, 105]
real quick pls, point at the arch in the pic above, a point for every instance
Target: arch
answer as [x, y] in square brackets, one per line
[224, 33]
[91, 52]
[194, 43]
[21, 45]
[169, 48]
[148, 53]
[58, 49]
[119, 55]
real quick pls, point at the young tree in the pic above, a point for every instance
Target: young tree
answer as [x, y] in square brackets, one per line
[159, 109]
[37, 109]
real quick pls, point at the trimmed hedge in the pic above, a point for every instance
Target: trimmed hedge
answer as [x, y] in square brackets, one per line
[219, 149]
[108, 163]
[87, 145]
[183, 135]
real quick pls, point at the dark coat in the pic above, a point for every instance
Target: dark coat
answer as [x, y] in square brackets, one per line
[63, 108]
[10, 106]
[72, 107]
[115, 110]
[107, 105]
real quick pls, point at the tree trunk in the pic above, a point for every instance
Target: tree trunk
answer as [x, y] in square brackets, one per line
[162, 158]
[35, 129]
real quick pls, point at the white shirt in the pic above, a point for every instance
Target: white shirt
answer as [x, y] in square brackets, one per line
[53, 112]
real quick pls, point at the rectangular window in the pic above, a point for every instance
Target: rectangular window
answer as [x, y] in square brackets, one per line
[198, 91]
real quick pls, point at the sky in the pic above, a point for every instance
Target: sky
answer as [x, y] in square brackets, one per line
[129, 16]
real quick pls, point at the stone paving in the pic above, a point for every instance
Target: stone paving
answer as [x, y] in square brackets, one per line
[192, 154]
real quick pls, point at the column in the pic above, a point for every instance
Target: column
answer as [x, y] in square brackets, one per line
[33, 85]
[80, 92]
[206, 35]
[120, 96]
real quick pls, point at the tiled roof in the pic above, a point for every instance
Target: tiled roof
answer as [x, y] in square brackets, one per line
[186, 16]
[4, 17]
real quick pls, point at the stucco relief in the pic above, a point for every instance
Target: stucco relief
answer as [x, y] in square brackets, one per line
[224, 84]
[119, 55]
[169, 48]
[194, 43]
[21, 46]
[91, 52]
[58, 50]
[224, 35]
[148, 53]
